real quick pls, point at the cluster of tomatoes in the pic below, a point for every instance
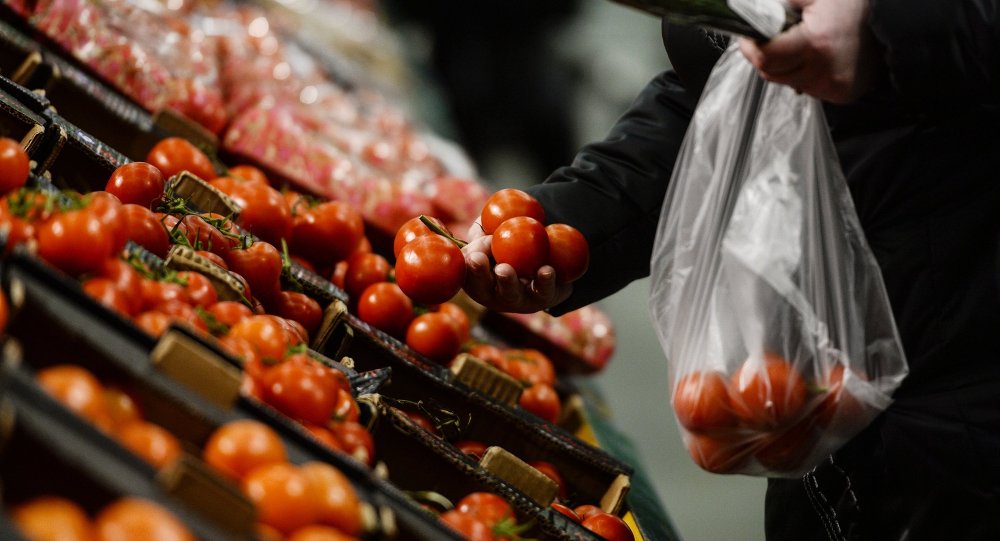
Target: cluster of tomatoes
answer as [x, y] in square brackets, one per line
[767, 414]
[51, 518]
[111, 409]
[530, 367]
[312, 501]
[483, 516]
[602, 523]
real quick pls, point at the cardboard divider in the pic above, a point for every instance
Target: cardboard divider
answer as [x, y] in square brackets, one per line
[203, 196]
[227, 286]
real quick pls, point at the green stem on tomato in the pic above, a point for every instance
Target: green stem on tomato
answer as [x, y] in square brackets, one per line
[441, 231]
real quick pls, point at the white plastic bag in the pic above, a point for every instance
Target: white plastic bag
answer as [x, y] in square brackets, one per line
[768, 303]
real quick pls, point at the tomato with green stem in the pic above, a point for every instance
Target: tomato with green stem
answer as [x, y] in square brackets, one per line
[260, 264]
[413, 228]
[263, 211]
[430, 269]
[145, 229]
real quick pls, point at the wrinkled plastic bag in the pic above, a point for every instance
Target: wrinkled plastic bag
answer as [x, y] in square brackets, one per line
[768, 303]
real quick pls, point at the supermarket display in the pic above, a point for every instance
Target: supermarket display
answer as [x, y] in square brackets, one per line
[202, 209]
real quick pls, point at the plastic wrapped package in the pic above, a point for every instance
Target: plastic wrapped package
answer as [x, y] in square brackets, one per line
[768, 302]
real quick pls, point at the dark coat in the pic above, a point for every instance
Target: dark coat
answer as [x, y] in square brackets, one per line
[921, 153]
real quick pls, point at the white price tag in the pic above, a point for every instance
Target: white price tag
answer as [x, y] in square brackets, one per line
[766, 16]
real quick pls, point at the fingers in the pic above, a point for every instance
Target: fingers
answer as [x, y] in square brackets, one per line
[475, 231]
[782, 56]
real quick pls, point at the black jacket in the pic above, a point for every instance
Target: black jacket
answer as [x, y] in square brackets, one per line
[921, 153]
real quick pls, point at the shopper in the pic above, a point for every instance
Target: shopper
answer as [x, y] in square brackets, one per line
[912, 93]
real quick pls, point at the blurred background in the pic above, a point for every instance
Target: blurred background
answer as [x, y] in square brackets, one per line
[520, 91]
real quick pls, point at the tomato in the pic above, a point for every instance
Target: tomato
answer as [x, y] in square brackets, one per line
[339, 504]
[569, 253]
[767, 393]
[266, 334]
[126, 279]
[339, 275]
[840, 409]
[199, 288]
[75, 242]
[14, 165]
[701, 402]
[530, 365]
[475, 449]
[4, 312]
[298, 307]
[151, 442]
[355, 440]
[248, 173]
[319, 533]
[156, 293]
[78, 390]
[430, 269]
[549, 470]
[566, 511]
[785, 451]
[18, 231]
[229, 313]
[458, 317]
[347, 408]
[137, 183]
[363, 270]
[153, 322]
[202, 235]
[145, 229]
[260, 265]
[263, 211]
[107, 208]
[506, 204]
[434, 336]
[609, 527]
[301, 388]
[133, 518]
[490, 354]
[521, 243]
[50, 518]
[421, 420]
[121, 407]
[106, 292]
[413, 228]
[239, 446]
[174, 154]
[542, 400]
[283, 496]
[724, 453]
[385, 307]
[469, 526]
[485, 506]
[327, 233]
[586, 511]
[324, 436]
[213, 258]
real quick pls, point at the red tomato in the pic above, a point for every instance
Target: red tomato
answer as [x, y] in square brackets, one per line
[569, 513]
[202, 235]
[363, 270]
[260, 265]
[283, 495]
[298, 307]
[18, 231]
[229, 313]
[270, 338]
[434, 336]
[327, 233]
[50, 518]
[485, 506]
[153, 322]
[78, 390]
[263, 211]
[75, 242]
[324, 436]
[475, 449]
[248, 173]
[542, 400]
[151, 442]
[137, 183]
[385, 307]
[355, 439]
[840, 408]
[586, 511]
[214, 258]
[701, 402]
[339, 503]
[237, 447]
[469, 526]
[174, 154]
[14, 165]
[107, 207]
[458, 317]
[145, 229]
[785, 451]
[506, 204]
[126, 279]
[718, 454]
[530, 365]
[609, 527]
[569, 253]
[156, 293]
[768, 393]
[521, 242]
[549, 470]
[491, 354]
[421, 420]
[133, 518]
[121, 407]
[413, 228]
[347, 408]
[301, 388]
[320, 533]
[198, 288]
[106, 292]
[430, 269]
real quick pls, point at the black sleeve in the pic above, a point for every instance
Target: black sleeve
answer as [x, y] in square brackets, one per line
[614, 189]
[942, 54]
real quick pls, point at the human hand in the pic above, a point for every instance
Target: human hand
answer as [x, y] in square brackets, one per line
[829, 55]
[500, 288]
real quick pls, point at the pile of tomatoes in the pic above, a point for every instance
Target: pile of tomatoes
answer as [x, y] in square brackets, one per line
[530, 367]
[593, 518]
[48, 518]
[767, 414]
[294, 502]
[483, 516]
